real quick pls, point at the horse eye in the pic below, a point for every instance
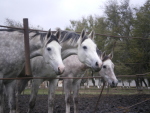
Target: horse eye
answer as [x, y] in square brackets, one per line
[49, 49]
[84, 47]
[104, 66]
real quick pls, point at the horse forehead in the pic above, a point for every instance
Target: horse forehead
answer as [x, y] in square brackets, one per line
[54, 44]
[108, 62]
[89, 42]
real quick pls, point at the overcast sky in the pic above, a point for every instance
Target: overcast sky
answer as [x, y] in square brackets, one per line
[52, 13]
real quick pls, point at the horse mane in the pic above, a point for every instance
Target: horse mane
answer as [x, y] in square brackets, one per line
[69, 36]
[52, 38]
[105, 58]
[38, 34]
[42, 36]
[99, 52]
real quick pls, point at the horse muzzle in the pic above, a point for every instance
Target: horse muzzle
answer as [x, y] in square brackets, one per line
[61, 69]
[97, 67]
[114, 84]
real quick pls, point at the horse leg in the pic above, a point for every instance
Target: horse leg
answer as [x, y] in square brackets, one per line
[10, 89]
[67, 90]
[1, 97]
[88, 85]
[51, 94]
[17, 96]
[99, 83]
[34, 91]
[93, 81]
[76, 87]
[21, 84]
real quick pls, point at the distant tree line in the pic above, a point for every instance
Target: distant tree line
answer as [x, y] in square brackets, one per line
[131, 56]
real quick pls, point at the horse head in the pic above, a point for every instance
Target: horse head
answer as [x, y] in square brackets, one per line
[87, 51]
[107, 71]
[52, 51]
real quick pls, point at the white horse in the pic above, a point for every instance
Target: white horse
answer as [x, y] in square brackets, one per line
[74, 68]
[71, 43]
[12, 59]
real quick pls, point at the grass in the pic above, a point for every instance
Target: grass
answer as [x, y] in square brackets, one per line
[93, 90]
[116, 91]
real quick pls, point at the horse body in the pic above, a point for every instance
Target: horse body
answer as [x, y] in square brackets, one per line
[11, 50]
[9, 65]
[73, 85]
[12, 59]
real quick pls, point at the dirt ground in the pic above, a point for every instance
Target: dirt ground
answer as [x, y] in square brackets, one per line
[87, 103]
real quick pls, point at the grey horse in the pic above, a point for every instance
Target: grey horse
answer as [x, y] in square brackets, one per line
[12, 58]
[72, 43]
[77, 69]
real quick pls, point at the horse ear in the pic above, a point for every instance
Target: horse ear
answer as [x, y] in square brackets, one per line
[92, 35]
[49, 33]
[58, 34]
[103, 54]
[47, 37]
[82, 33]
[81, 36]
[110, 55]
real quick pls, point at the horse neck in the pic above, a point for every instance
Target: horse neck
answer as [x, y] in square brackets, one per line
[36, 47]
[74, 63]
[68, 50]
[69, 43]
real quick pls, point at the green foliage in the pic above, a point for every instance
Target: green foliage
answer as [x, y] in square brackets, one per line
[141, 28]
[131, 56]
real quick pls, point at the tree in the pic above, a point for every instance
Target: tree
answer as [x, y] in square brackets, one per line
[13, 23]
[141, 29]
[121, 20]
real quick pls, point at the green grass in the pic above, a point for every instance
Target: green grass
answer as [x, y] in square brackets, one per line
[116, 91]
[92, 90]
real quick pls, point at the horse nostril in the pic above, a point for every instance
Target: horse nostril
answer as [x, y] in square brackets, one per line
[113, 83]
[96, 63]
[59, 71]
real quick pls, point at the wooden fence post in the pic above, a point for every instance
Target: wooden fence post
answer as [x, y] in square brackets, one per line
[27, 48]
